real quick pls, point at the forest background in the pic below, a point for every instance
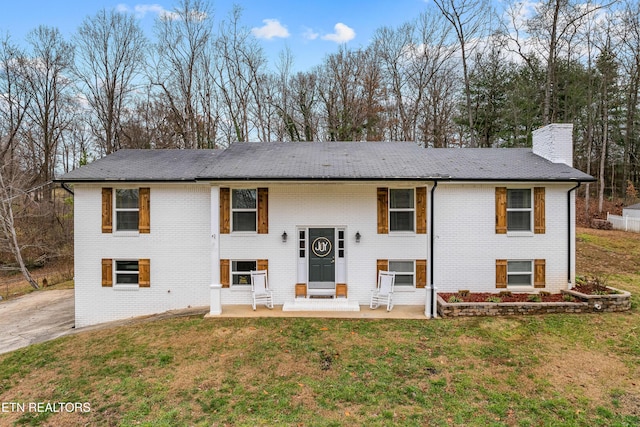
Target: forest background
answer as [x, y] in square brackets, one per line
[460, 74]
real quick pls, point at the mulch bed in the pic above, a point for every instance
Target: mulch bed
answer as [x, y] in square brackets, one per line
[591, 288]
[514, 297]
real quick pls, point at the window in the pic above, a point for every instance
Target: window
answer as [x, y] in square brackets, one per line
[519, 209]
[127, 209]
[340, 243]
[241, 272]
[127, 272]
[519, 273]
[244, 210]
[401, 209]
[302, 243]
[405, 272]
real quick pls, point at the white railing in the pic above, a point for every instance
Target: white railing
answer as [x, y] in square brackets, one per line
[626, 223]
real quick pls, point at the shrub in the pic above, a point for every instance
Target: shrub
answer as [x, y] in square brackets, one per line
[454, 299]
[503, 294]
[534, 298]
[463, 293]
[568, 298]
[494, 298]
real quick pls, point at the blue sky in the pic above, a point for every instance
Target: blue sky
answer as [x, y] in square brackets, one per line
[309, 28]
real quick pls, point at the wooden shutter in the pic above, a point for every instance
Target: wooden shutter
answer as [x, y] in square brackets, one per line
[539, 210]
[501, 273]
[383, 210]
[263, 211]
[539, 273]
[107, 273]
[224, 273]
[225, 210]
[421, 210]
[381, 265]
[262, 264]
[144, 273]
[144, 204]
[501, 210]
[107, 210]
[421, 273]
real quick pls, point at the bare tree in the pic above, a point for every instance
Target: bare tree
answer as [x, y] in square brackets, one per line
[469, 19]
[411, 56]
[50, 112]
[350, 89]
[110, 55]
[9, 195]
[182, 39]
[239, 75]
[547, 34]
[14, 97]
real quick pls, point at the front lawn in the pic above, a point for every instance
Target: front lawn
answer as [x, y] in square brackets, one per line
[564, 370]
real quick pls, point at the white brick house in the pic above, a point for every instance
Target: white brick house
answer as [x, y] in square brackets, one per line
[157, 230]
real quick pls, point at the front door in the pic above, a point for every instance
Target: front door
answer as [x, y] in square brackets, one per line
[322, 259]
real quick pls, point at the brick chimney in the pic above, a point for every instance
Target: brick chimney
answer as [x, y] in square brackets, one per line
[554, 142]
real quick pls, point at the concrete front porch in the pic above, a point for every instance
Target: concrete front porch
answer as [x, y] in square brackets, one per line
[398, 312]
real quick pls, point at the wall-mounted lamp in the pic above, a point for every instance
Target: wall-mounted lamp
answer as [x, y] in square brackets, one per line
[358, 237]
[284, 237]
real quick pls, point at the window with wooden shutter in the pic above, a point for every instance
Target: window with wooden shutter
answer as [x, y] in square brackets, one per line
[225, 210]
[501, 273]
[263, 264]
[107, 273]
[107, 210]
[539, 273]
[263, 211]
[421, 210]
[501, 210]
[539, 210]
[383, 210]
[144, 277]
[421, 273]
[224, 273]
[144, 218]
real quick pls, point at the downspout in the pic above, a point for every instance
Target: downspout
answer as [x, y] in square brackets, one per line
[432, 239]
[569, 247]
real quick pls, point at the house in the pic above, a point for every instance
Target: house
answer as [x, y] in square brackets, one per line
[157, 230]
[632, 211]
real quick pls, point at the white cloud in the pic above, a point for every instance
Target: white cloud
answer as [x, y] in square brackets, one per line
[309, 34]
[141, 10]
[271, 28]
[342, 34]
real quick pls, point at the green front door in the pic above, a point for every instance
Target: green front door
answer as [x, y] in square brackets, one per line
[322, 259]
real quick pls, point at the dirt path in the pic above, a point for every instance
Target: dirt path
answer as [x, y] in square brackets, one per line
[36, 317]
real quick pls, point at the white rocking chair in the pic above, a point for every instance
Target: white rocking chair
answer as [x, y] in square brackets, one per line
[383, 293]
[260, 291]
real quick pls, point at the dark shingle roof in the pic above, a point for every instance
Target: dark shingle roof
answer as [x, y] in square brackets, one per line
[327, 161]
[145, 165]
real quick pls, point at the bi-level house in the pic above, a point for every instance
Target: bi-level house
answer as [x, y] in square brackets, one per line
[157, 230]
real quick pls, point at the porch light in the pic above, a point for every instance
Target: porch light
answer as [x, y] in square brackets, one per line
[284, 237]
[358, 237]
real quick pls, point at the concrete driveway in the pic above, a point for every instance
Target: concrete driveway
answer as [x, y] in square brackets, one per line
[35, 317]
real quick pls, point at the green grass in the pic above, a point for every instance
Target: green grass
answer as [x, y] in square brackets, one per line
[553, 370]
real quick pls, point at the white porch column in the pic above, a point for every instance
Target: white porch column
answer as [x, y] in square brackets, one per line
[215, 287]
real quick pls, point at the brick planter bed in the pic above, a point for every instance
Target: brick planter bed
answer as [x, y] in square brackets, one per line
[584, 303]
